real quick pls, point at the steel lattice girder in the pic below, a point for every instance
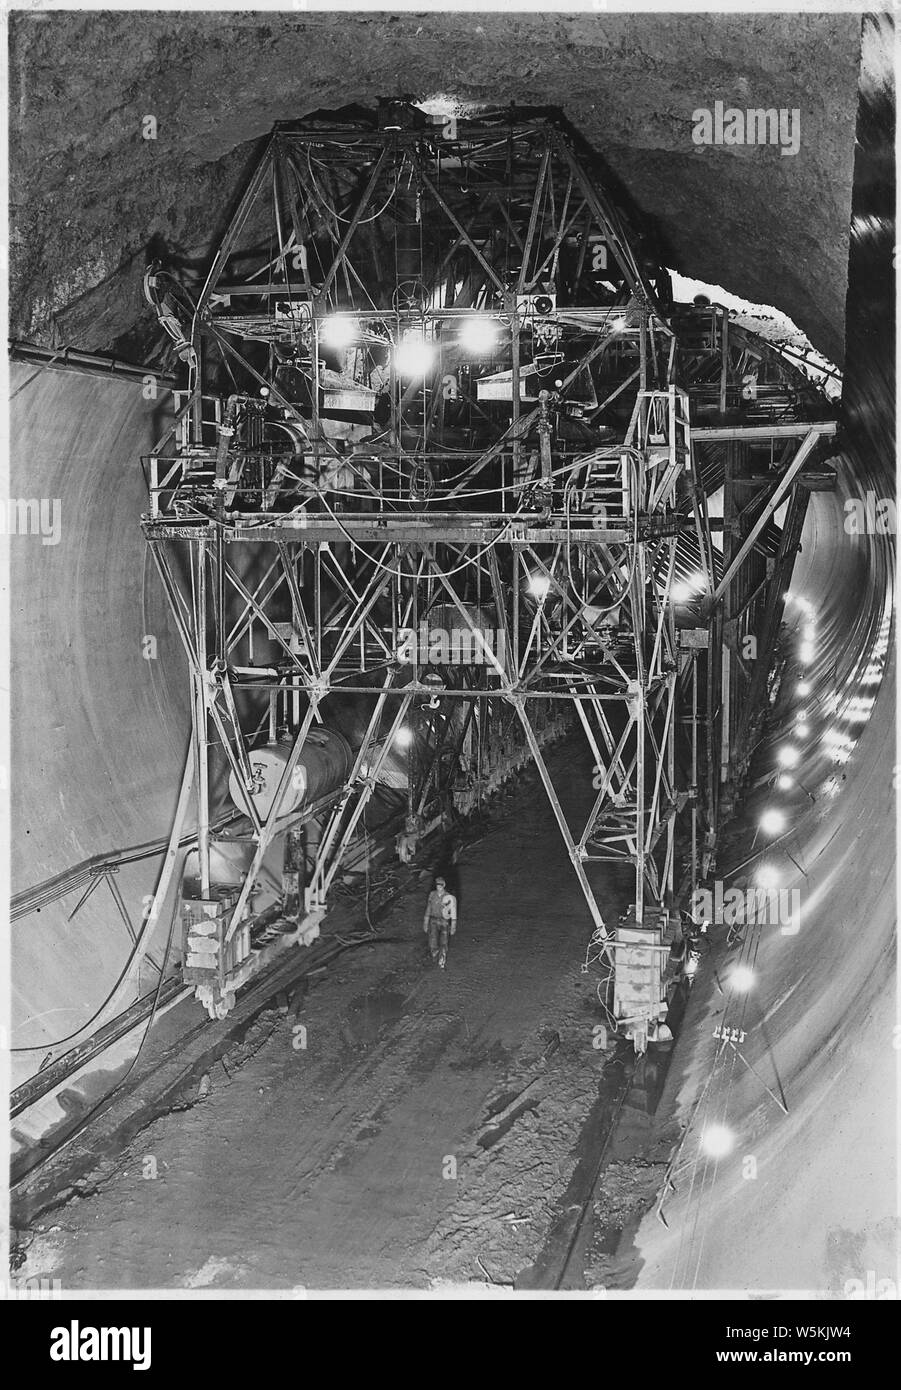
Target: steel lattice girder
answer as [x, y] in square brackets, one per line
[547, 480]
[555, 654]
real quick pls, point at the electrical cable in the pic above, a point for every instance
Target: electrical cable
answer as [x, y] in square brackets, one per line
[88, 1115]
[363, 221]
[369, 494]
[369, 922]
[49, 1046]
[444, 482]
[446, 574]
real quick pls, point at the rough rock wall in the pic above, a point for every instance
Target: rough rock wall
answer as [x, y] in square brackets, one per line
[88, 192]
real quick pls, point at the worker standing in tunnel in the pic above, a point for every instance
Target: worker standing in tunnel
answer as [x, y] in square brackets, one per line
[440, 921]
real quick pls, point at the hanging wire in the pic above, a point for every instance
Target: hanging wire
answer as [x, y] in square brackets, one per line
[446, 574]
[332, 212]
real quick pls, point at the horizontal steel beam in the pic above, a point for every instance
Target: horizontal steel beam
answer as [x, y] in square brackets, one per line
[713, 434]
[92, 363]
[299, 526]
[593, 317]
[527, 692]
[468, 133]
[804, 451]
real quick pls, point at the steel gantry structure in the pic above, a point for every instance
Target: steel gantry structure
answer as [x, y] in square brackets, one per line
[433, 479]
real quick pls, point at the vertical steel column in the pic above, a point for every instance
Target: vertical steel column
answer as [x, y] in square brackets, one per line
[201, 742]
[695, 808]
[731, 519]
[518, 702]
[515, 386]
[724, 356]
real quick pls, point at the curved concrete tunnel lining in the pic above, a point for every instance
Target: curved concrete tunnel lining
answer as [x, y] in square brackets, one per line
[90, 713]
[824, 982]
[828, 843]
[81, 631]
[824, 994]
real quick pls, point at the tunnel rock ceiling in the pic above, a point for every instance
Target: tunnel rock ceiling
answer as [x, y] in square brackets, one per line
[89, 194]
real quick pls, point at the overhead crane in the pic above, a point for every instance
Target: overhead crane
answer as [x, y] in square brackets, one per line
[436, 391]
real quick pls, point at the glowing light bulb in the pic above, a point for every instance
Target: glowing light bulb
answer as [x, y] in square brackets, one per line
[539, 585]
[806, 654]
[404, 737]
[741, 978]
[802, 730]
[766, 876]
[803, 687]
[784, 782]
[339, 331]
[717, 1141]
[478, 335]
[788, 756]
[413, 357]
[772, 822]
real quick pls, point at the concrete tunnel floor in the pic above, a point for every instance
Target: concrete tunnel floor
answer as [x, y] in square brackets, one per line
[332, 1165]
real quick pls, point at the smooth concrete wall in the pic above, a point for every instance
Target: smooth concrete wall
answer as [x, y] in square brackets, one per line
[99, 733]
[819, 1017]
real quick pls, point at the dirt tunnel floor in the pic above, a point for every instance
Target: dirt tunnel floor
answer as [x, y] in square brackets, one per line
[356, 1161]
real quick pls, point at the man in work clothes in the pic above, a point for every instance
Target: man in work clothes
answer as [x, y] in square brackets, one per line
[440, 920]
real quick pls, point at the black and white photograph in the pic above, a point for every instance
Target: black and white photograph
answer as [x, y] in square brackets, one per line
[449, 665]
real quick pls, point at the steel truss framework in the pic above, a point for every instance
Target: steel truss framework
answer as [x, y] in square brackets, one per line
[436, 392]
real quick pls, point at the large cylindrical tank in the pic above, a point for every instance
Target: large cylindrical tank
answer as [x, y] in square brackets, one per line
[323, 766]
